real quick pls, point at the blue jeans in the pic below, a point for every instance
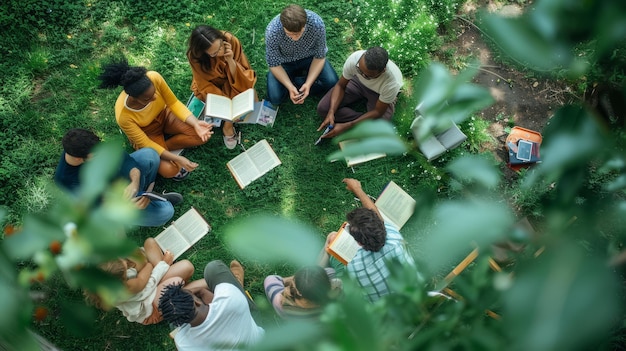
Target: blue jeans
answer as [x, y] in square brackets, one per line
[297, 72]
[157, 213]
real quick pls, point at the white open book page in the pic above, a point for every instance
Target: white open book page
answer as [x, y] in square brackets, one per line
[243, 103]
[183, 233]
[253, 163]
[218, 106]
[344, 247]
[170, 239]
[192, 226]
[395, 205]
[355, 160]
[263, 156]
[243, 169]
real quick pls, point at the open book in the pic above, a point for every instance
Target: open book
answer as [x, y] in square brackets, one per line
[395, 205]
[355, 160]
[221, 107]
[183, 233]
[253, 163]
[264, 114]
[343, 247]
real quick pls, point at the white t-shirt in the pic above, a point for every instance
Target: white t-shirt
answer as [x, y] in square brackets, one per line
[387, 85]
[228, 326]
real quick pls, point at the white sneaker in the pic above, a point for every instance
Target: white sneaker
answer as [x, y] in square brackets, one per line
[232, 141]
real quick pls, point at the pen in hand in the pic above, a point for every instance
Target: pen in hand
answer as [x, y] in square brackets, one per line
[326, 131]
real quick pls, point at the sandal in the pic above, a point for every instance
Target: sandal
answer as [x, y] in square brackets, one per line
[232, 141]
[182, 174]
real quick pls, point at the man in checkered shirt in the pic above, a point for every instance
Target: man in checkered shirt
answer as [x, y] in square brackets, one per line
[380, 242]
[295, 50]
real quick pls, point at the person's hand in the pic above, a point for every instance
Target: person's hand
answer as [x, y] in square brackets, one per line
[205, 295]
[141, 202]
[329, 239]
[133, 187]
[204, 130]
[304, 90]
[186, 164]
[131, 191]
[168, 257]
[352, 184]
[288, 282]
[329, 120]
[155, 317]
[296, 96]
[338, 128]
[228, 51]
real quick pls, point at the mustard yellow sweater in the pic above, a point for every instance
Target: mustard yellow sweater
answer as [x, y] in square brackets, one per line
[132, 121]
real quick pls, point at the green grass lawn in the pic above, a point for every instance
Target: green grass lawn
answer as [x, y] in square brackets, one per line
[49, 86]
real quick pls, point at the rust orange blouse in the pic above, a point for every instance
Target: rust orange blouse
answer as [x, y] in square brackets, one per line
[219, 80]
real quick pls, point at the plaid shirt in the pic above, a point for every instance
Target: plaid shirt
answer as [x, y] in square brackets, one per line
[369, 267]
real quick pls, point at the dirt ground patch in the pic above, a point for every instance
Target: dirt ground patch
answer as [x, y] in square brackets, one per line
[521, 99]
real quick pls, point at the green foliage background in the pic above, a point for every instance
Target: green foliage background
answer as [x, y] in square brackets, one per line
[52, 52]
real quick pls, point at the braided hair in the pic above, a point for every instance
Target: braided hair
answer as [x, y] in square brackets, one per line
[177, 305]
[119, 73]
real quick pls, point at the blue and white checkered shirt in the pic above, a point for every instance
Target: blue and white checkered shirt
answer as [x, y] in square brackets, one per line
[369, 268]
[279, 48]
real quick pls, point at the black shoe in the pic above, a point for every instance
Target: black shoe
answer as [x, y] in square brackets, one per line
[174, 198]
[181, 175]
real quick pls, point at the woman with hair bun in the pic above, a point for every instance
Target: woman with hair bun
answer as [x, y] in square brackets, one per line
[150, 115]
[219, 66]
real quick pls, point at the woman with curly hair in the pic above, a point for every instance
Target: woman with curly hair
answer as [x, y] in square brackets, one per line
[219, 66]
[150, 115]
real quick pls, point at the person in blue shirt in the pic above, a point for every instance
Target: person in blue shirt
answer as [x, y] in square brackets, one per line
[295, 50]
[139, 168]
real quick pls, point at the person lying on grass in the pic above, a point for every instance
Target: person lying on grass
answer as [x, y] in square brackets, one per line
[144, 275]
[150, 115]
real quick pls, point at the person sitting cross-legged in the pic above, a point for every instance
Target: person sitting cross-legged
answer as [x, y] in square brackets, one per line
[223, 323]
[219, 66]
[151, 115]
[295, 50]
[139, 168]
[368, 76]
[145, 274]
